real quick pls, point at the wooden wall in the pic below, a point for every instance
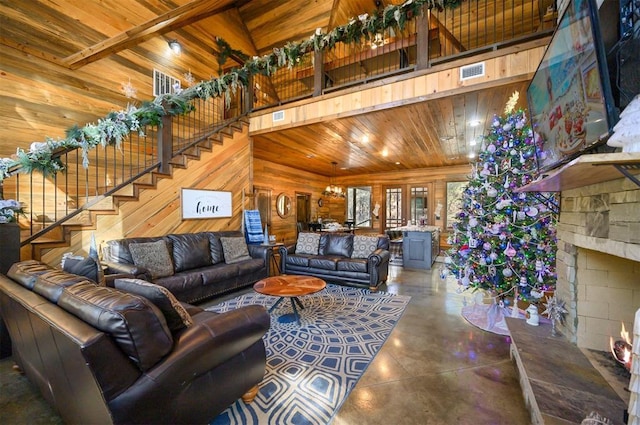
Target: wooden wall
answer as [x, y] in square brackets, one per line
[158, 211]
[517, 63]
[42, 99]
[438, 176]
[230, 168]
[288, 180]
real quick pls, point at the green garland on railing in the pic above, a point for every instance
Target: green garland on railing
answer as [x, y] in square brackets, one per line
[113, 128]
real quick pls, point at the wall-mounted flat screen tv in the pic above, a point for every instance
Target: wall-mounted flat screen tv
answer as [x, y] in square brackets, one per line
[570, 101]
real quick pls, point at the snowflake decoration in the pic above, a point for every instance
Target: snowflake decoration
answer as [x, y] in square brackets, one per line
[555, 311]
[128, 89]
[189, 78]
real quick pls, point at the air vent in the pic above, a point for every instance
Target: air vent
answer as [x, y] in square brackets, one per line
[472, 71]
[164, 84]
[278, 116]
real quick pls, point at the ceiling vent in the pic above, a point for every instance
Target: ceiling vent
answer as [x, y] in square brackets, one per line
[278, 116]
[475, 70]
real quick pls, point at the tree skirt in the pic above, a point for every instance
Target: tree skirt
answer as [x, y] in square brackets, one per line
[490, 317]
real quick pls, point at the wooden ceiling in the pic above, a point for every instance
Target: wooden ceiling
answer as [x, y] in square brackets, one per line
[73, 34]
[435, 133]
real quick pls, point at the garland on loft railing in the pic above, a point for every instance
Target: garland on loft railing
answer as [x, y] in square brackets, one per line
[112, 129]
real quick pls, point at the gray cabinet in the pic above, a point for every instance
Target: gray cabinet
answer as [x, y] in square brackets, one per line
[419, 249]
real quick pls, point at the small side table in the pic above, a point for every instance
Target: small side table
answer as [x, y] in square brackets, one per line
[274, 247]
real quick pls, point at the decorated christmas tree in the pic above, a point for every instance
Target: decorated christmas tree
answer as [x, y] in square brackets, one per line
[504, 241]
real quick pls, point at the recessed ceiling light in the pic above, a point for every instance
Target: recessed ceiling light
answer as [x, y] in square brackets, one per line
[474, 123]
[472, 142]
[397, 162]
[385, 152]
[472, 155]
[365, 139]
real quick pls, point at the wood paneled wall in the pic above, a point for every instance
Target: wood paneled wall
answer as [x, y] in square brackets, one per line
[229, 168]
[40, 99]
[512, 64]
[438, 176]
[158, 211]
[288, 180]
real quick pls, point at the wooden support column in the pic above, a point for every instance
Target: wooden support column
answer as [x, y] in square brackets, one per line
[165, 143]
[422, 39]
[318, 73]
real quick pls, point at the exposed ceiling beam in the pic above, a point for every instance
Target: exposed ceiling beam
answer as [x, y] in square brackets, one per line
[170, 21]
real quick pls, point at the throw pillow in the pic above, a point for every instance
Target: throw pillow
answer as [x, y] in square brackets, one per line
[153, 256]
[235, 249]
[175, 314]
[308, 243]
[87, 267]
[363, 246]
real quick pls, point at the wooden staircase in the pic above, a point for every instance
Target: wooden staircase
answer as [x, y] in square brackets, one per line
[86, 221]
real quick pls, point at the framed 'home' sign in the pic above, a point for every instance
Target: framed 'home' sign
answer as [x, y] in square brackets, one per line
[202, 203]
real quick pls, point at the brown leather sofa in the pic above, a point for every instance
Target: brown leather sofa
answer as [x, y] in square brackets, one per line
[199, 267]
[100, 355]
[335, 261]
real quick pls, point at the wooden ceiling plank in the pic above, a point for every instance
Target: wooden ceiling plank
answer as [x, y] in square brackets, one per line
[172, 20]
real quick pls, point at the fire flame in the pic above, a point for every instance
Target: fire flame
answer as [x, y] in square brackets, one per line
[621, 349]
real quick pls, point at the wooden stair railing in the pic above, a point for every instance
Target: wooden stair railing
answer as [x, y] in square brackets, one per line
[143, 158]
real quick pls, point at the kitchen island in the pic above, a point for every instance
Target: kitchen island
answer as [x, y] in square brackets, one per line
[420, 246]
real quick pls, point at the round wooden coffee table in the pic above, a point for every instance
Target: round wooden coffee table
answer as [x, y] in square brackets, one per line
[289, 286]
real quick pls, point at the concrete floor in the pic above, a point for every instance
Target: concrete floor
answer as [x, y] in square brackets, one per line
[435, 368]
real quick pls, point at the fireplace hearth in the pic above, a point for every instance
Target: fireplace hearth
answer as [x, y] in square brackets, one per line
[611, 370]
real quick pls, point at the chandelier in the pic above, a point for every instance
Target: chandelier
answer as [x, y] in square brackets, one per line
[332, 190]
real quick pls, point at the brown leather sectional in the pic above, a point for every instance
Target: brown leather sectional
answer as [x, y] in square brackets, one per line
[199, 267]
[100, 355]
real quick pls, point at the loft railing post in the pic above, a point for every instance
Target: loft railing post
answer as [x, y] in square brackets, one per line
[249, 94]
[318, 72]
[165, 144]
[422, 38]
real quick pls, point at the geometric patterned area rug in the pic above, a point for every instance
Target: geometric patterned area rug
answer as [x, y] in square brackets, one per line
[312, 367]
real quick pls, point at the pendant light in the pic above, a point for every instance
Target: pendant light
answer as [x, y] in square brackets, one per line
[333, 190]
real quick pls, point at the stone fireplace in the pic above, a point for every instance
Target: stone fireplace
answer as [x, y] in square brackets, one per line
[598, 266]
[598, 261]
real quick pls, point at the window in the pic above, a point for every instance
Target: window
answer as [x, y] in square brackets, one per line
[359, 206]
[394, 217]
[164, 84]
[419, 205]
[408, 204]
